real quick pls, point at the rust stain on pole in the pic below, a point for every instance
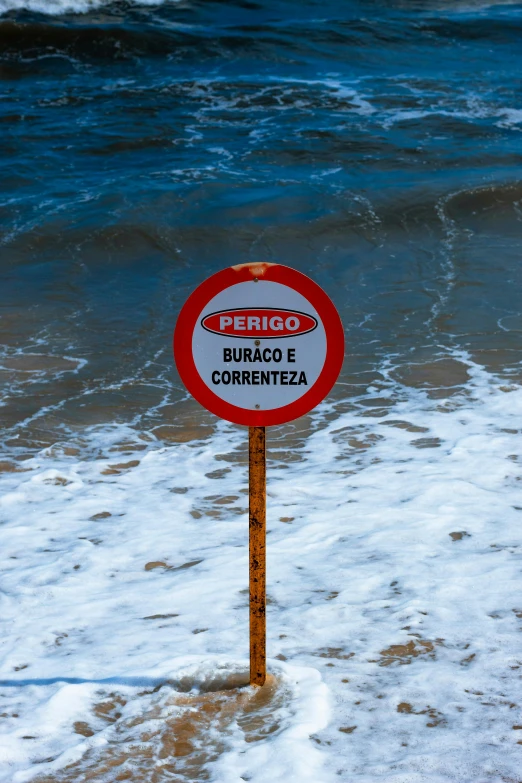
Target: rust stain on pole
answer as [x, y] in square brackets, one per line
[257, 551]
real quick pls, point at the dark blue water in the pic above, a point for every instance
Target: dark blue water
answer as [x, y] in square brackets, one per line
[375, 146]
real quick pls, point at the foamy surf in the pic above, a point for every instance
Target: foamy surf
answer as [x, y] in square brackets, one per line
[188, 719]
[57, 7]
[394, 552]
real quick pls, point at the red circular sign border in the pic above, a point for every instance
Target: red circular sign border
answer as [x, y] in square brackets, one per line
[276, 273]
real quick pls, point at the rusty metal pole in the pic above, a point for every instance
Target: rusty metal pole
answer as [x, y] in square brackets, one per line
[257, 553]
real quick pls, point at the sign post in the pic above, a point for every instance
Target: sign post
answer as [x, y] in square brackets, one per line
[258, 345]
[257, 552]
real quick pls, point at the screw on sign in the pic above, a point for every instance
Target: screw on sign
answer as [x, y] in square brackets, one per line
[259, 345]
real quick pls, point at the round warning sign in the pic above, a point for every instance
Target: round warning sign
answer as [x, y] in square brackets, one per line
[259, 344]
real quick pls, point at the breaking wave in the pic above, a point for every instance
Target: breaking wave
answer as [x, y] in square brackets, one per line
[57, 7]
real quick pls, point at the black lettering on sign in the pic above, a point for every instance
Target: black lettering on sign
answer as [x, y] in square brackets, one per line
[259, 378]
[256, 355]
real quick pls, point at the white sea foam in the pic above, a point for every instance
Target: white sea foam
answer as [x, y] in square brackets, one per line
[58, 706]
[394, 555]
[342, 91]
[512, 117]
[57, 7]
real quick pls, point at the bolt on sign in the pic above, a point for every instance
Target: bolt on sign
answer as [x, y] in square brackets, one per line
[259, 345]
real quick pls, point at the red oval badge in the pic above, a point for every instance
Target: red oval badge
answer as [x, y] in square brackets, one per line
[267, 322]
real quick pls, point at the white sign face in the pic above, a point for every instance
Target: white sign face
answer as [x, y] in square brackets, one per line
[259, 345]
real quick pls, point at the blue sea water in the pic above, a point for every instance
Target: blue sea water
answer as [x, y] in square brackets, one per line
[374, 146]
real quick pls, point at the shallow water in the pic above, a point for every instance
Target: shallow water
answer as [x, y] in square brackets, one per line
[376, 148]
[173, 735]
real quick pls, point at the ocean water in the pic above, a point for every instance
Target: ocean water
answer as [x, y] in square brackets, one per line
[375, 146]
